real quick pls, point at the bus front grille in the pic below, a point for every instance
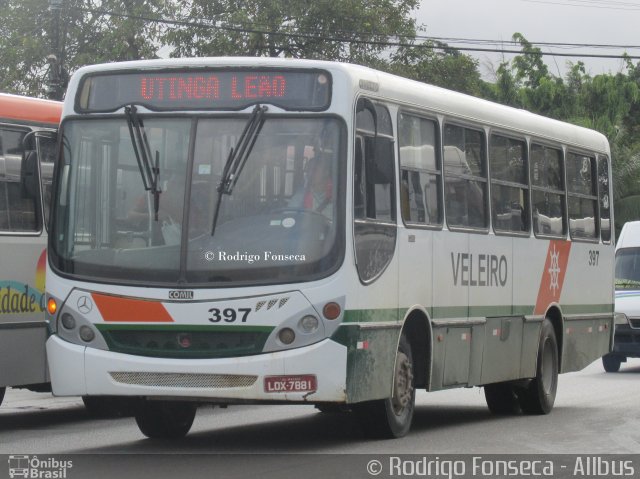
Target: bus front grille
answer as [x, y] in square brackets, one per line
[634, 323]
[185, 342]
[184, 380]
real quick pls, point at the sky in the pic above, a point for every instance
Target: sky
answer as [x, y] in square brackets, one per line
[605, 22]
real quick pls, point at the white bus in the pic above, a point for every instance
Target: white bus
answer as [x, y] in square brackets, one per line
[252, 230]
[27, 126]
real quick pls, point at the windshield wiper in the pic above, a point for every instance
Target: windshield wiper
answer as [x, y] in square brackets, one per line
[238, 156]
[149, 172]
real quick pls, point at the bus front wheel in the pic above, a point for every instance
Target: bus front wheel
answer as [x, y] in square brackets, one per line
[611, 363]
[538, 397]
[391, 418]
[2, 390]
[165, 419]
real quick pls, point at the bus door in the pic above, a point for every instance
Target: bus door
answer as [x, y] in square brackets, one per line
[22, 265]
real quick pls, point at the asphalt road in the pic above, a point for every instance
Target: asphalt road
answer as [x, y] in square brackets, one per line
[595, 413]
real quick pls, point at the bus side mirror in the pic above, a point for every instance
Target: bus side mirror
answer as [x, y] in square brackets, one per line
[379, 158]
[29, 178]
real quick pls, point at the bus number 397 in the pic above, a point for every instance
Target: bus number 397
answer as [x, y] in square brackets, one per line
[229, 315]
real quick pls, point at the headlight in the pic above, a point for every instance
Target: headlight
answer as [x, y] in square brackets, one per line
[87, 334]
[286, 336]
[68, 321]
[308, 324]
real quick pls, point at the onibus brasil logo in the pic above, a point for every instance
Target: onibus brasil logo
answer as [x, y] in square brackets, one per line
[35, 468]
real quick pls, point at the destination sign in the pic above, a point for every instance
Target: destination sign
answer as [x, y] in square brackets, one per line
[205, 90]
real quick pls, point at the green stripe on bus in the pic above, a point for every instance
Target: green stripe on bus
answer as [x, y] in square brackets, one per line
[455, 312]
[587, 308]
[372, 315]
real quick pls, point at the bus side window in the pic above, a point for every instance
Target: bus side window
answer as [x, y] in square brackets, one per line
[46, 155]
[373, 192]
[465, 168]
[582, 191]
[603, 196]
[18, 209]
[509, 184]
[420, 171]
[547, 191]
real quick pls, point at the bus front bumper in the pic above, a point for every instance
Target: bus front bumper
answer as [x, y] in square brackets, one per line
[626, 341]
[78, 371]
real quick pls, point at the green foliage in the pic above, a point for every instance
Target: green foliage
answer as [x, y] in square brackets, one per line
[530, 68]
[23, 40]
[608, 103]
[437, 64]
[344, 30]
[88, 37]
[339, 30]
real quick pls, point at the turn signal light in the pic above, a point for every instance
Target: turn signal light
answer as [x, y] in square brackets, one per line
[331, 310]
[52, 306]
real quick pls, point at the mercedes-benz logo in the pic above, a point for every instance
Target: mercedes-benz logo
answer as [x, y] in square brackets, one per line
[85, 305]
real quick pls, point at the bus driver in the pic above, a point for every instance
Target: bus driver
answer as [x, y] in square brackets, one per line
[317, 194]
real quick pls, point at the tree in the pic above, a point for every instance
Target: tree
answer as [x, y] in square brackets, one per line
[529, 67]
[438, 64]
[23, 46]
[341, 30]
[90, 36]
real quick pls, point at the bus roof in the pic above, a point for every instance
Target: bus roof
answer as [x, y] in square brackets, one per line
[23, 109]
[377, 84]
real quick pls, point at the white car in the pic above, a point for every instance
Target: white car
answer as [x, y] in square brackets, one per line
[627, 307]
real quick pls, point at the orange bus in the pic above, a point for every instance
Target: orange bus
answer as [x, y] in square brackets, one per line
[28, 129]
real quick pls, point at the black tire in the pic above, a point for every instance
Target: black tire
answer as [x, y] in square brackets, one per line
[501, 399]
[538, 397]
[2, 391]
[328, 408]
[165, 419]
[611, 363]
[109, 406]
[391, 418]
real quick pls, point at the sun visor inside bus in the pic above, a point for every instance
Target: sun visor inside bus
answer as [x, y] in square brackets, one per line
[202, 89]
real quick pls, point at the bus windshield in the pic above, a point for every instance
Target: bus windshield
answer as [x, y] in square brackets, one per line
[281, 223]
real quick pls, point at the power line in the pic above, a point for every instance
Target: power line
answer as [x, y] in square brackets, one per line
[590, 4]
[476, 41]
[385, 43]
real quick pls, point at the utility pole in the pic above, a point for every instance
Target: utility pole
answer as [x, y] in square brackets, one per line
[57, 79]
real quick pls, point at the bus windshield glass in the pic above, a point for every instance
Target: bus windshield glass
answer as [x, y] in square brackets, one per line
[281, 223]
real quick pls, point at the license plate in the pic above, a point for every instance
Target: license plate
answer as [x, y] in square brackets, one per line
[288, 384]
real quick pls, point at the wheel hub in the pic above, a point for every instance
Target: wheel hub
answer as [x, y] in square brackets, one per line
[402, 384]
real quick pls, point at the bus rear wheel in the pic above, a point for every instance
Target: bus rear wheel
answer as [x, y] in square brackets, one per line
[538, 397]
[165, 419]
[391, 418]
[501, 398]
